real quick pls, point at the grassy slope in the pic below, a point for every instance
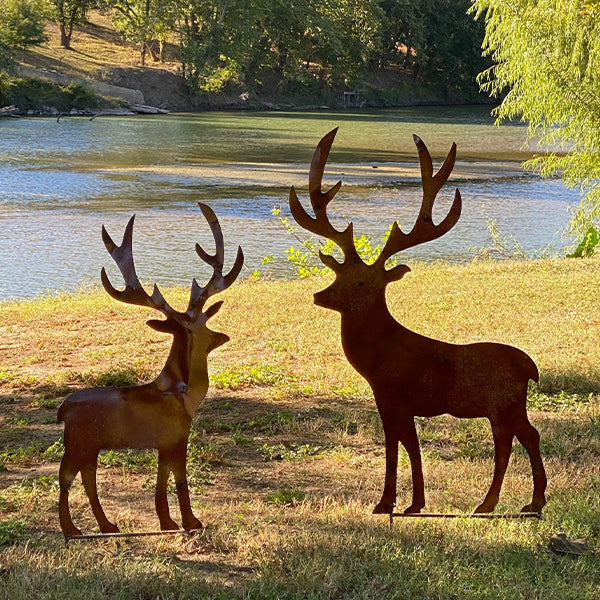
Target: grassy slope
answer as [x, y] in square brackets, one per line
[94, 47]
[287, 461]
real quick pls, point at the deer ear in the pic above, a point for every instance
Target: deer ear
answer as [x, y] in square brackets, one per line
[213, 309]
[396, 273]
[163, 326]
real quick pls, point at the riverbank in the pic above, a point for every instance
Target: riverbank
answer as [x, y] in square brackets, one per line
[288, 449]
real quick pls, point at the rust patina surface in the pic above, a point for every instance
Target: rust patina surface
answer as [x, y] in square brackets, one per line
[410, 374]
[155, 415]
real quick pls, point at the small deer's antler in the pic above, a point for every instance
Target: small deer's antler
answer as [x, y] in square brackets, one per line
[321, 225]
[218, 282]
[134, 292]
[424, 230]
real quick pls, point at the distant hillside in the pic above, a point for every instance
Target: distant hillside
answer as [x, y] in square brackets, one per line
[100, 57]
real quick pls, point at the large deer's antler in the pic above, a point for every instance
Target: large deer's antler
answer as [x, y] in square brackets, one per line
[424, 229]
[134, 292]
[321, 225]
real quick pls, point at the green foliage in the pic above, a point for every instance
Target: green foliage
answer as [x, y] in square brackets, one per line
[588, 244]
[22, 23]
[306, 259]
[286, 497]
[547, 69]
[31, 93]
[293, 451]
[7, 65]
[12, 531]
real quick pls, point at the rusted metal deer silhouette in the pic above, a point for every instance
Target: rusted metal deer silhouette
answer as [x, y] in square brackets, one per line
[155, 415]
[412, 375]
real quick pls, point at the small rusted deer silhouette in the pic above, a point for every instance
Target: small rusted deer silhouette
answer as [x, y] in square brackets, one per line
[155, 415]
[412, 375]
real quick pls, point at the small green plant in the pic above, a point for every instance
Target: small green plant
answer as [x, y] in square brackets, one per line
[286, 497]
[133, 460]
[501, 246]
[291, 451]
[306, 258]
[588, 244]
[54, 451]
[12, 531]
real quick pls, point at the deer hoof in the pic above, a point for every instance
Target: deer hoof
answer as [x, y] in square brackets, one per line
[385, 507]
[70, 532]
[536, 506]
[193, 524]
[412, 509]
[109, 527]
[484, 508]
[169, 525]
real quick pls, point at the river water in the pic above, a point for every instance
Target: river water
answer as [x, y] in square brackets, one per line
[60, 181]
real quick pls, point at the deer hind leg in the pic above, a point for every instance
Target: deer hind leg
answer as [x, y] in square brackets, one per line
[88, 478]
[503, 437]
[160, 499]
[188, 518]
[529, 437]
[66, 475]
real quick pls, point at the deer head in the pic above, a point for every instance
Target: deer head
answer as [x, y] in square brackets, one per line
[192, 339]
[359, 286]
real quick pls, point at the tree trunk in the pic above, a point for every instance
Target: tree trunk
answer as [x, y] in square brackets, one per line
[65, 36]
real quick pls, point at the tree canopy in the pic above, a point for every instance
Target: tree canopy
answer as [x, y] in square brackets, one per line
[546, 68]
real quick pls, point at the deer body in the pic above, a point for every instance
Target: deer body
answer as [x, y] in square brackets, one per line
[410, 374]
[154, 415]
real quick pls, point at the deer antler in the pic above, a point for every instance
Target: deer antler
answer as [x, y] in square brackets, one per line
[424, 230]
[134, 292]
[321, 225]
[218, 282]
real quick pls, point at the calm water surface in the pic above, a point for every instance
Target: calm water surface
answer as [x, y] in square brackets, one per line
[59, 182]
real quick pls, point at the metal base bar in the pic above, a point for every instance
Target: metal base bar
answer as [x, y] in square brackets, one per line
[108, 536]
[521, 515]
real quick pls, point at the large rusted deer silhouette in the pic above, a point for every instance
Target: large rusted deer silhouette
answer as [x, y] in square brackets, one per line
[155, 415]
[412, 375]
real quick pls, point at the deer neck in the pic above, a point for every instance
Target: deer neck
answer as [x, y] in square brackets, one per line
[366, 336]
[185, 374]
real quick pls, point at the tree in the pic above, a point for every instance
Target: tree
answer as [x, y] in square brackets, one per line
[21, 23]
[547, 70]
[68, 13]
[142, 21]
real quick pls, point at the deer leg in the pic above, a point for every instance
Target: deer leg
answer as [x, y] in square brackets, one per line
[388, 499]
[529, 437]
[503, 438]
[66, 475]
[160, 499]
[88, 478]
[410, 441]
[183, 495]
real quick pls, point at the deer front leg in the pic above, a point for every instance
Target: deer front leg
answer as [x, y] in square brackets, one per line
[410, 441]
[407, 434]
[188, 518]
[160, 499]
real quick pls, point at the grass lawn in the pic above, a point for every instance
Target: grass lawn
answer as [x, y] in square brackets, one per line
[286, 457]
